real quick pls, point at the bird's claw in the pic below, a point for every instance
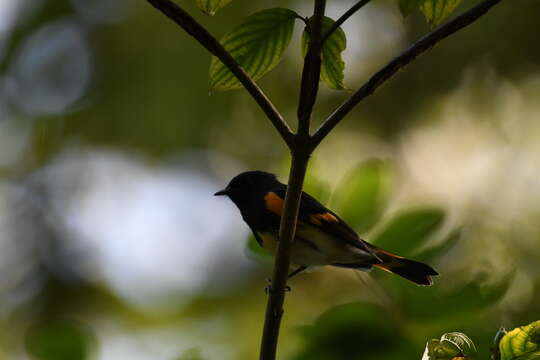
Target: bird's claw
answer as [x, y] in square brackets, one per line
[268, 288]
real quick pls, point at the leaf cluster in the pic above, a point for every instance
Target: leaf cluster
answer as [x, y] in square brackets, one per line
[259, 42]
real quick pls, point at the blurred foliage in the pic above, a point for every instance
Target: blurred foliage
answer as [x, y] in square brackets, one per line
[147, 108]
[59, 340]
[192, 354]
[363, 194]
[354, 331]
[409, 230]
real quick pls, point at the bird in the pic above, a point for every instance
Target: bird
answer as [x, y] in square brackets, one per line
[321, 237]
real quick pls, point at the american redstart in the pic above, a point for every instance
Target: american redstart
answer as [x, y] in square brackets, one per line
[321, 237]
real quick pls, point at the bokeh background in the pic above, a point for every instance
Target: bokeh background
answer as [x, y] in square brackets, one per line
[111, 146]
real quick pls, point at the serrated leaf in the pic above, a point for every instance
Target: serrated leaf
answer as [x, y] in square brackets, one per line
[332, 66]
[408, 6]
[436, 11]
[409, 230]
[451, 346]
[363, 194]
[210, 7]
[522, 343]
[257, 45]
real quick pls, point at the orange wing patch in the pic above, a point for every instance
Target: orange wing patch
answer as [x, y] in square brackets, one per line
[318, 218]
[274, 203]
[389, 254]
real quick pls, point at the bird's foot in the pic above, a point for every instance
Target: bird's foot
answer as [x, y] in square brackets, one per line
[268, 288]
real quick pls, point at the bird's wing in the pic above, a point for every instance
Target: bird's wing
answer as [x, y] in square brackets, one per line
[315, 214]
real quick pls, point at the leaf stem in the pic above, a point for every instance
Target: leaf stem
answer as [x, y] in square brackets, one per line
[398, 63]
[196, 30]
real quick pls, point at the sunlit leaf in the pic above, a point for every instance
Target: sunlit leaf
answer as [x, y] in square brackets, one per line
[409, 230]
[59, 340]
[408, 6]
[210, 7]
[436, 11]
[332, 66]
[451, 346]
[363, 195]
[522, 343]
[257, 45]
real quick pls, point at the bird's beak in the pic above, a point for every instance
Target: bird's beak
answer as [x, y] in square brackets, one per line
[222, 192]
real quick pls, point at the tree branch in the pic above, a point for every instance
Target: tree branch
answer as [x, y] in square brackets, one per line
[422, 45]
[276, 297]
[312, 70]
[344, 18]
[193, 28]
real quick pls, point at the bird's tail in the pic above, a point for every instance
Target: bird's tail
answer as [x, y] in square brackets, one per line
[415, 271]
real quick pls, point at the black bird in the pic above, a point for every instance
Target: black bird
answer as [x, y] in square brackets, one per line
[322, 238]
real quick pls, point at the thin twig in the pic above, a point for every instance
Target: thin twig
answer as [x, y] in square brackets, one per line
[344, 18]
[312, 70]
[193, 28]
[422, 45]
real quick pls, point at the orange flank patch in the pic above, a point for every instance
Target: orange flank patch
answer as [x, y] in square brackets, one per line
[274, 203]
[318, 218]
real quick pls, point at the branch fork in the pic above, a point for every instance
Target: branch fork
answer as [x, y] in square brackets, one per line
[302, 144]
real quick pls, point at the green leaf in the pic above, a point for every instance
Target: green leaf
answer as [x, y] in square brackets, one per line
[408, 6]
[363, 194]
[453, 345]
[522, 343]
[257, 45]
[210, 7]
[332, 66]
[436, 11]
[409, 230]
